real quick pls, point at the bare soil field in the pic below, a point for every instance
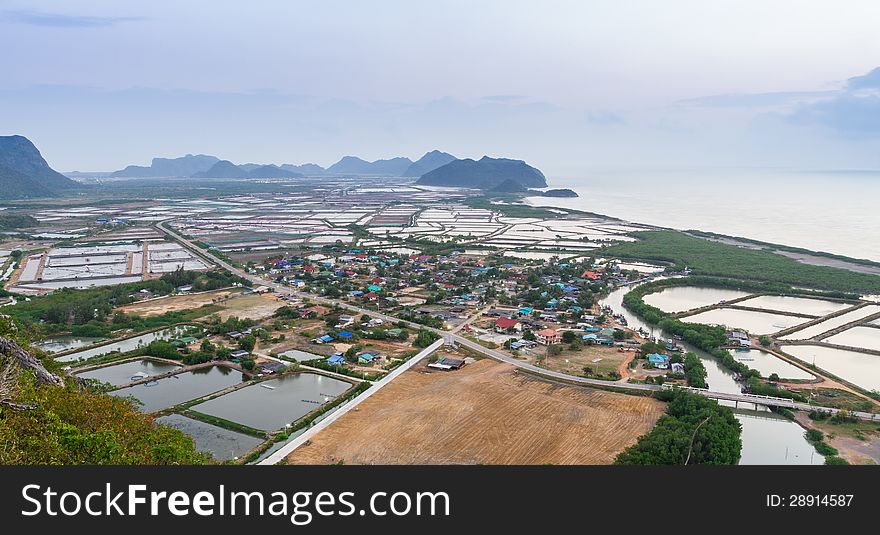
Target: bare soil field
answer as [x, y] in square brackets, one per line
[484, 413]
[574, 362]
[253, 306]
[161, 305]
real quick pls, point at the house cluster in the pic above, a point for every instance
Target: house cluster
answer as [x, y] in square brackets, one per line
[738, 338]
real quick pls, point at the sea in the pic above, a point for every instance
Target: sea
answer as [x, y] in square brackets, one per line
[829, 211]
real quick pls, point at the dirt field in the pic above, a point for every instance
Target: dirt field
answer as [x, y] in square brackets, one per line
[155, 307]
[574, 362]
[484, 413]
[253, 306]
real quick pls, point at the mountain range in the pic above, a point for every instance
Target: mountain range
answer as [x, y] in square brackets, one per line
[486, 174]
[352, 165]
[227, 169]
[427, 163]
[24, 172]
[203, 166]
[170, 167]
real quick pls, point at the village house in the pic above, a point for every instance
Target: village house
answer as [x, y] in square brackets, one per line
[503, 325]
[548, 337]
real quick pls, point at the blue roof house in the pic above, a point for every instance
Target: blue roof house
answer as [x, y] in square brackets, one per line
[336, 360]
[659, 361]
[366, 358]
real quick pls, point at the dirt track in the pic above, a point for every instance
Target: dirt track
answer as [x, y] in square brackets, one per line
[484, 413]
[155, 307]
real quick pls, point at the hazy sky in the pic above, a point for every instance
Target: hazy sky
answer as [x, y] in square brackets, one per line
[565, 85]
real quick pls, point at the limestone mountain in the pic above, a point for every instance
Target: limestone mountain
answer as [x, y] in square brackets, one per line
[223, 169]
[352, 165]
[170, 167]
[24, 172]
[427, 163]
[485, 173]
[272, 171]
[304, 169]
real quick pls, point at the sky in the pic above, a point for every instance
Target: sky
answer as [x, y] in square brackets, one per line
[565, 85]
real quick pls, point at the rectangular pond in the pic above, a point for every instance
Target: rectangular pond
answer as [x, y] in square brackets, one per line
[768, 364]
[833, 323]
[799, 305]
[864, 337]
[681, 298]
[858, 368]
[272, 404]
[754, 322]
[57, 344]
[176, 389]
[124, 345]
[120, 374]
[302, 356]
[222, 444]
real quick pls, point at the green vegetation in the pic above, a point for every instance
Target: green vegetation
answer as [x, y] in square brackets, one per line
[16, 221]
[694, 430]
[706, 257]
[817, 439]
[90, 312]
[694, 371]
[787, 248]
[224, 423]
[425, 338]
[512, 210]
[202, 281]
[44, 422]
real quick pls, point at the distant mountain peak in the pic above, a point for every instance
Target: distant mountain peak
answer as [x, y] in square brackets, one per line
[486, 174]
[427, 163]
[352, 165]
[183, 166]
[24, 172]
[223, 169]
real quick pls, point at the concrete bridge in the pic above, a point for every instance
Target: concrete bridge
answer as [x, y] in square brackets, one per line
[770, 401]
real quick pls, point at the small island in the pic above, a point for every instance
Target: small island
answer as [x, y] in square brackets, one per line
[564, 192]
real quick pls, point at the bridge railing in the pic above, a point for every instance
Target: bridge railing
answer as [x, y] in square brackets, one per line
[706, 391]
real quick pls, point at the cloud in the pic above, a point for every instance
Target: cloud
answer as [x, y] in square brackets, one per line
[848, 114]
[866, 81]
[752, 100]
[59, 20]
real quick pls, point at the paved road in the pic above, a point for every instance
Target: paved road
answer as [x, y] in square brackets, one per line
[497, 355]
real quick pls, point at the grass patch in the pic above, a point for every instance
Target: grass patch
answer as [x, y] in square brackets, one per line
[705, 257]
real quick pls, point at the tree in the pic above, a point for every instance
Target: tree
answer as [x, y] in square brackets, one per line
[529, 336]
[425, 338]
[569, 336]
[695, 429]
[207, 346]
[248, 364]
[695, 371]
[765, 340]
[247, 342]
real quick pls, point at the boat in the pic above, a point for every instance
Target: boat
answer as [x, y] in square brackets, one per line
[138, 376]
[270, 387]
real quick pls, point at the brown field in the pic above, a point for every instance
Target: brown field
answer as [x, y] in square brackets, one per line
[485, 413]
[253, 306]
[573, 362]
[155, 307]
